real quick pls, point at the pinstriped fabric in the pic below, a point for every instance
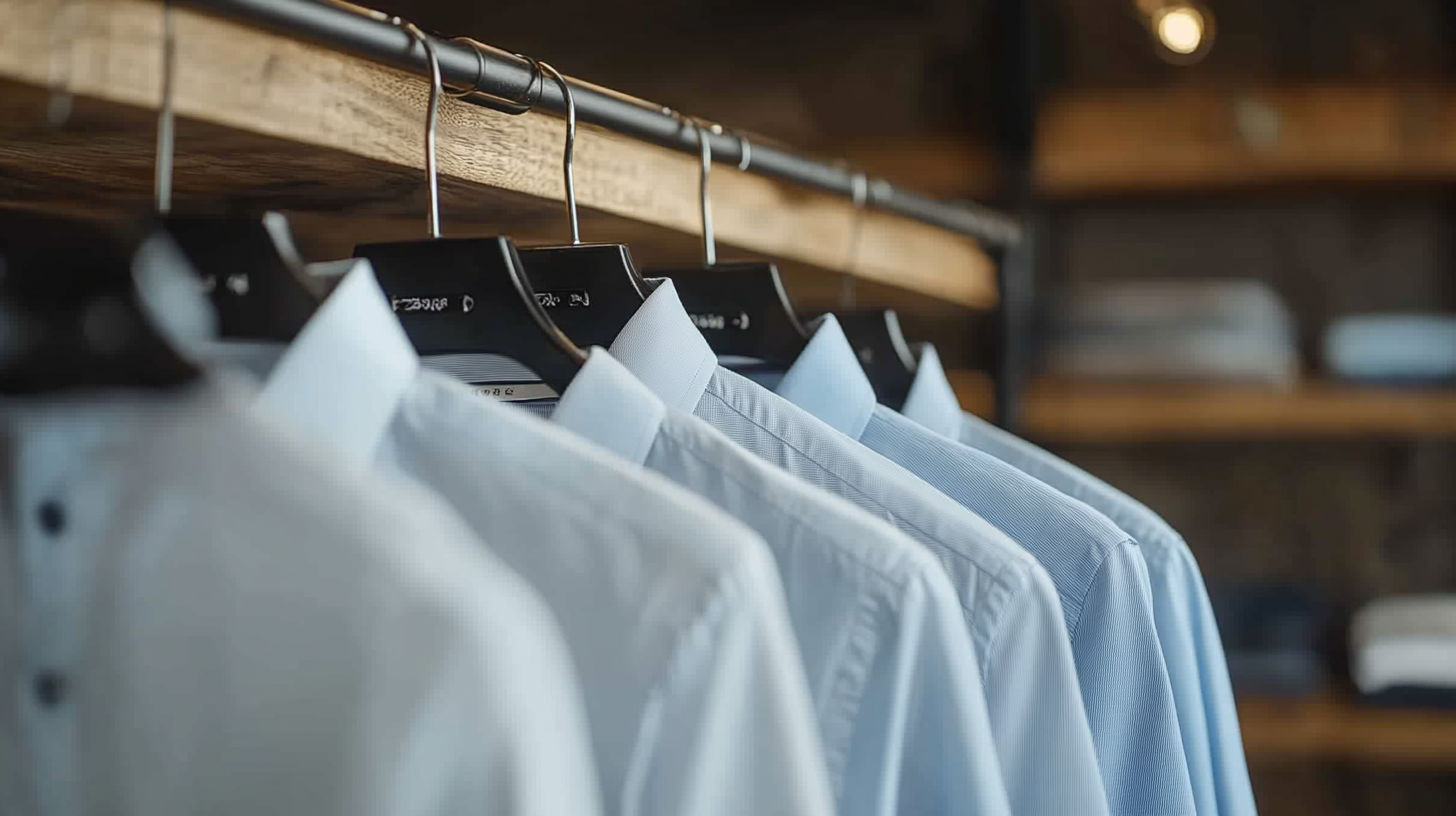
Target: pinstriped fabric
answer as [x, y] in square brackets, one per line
[1187, 632]
[479, 368]
[1106, 600]
[1007, 600]
[897, 684]
[1100, 576]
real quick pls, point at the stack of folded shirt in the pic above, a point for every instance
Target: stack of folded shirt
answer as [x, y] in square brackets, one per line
[1393, 348]
[1403, 650]
[1177, 331]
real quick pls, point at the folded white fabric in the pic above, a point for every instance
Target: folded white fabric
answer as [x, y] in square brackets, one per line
[1405, 641]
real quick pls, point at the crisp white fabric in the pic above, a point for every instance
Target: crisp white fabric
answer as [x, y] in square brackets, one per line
[242, 625]
[672, 610]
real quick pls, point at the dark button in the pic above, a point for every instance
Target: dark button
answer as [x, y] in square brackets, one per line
[50, 688]
[52, 516]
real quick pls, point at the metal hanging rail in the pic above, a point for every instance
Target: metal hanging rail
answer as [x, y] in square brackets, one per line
[505, 81]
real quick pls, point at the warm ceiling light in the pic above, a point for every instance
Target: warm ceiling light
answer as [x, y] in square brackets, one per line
[1180, 29]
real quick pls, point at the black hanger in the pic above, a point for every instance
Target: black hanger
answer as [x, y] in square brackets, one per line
[71, 312]
[741, 308]
[591, 290]
[252, 271]
[463, 295]
[467, 295]
[887, 359]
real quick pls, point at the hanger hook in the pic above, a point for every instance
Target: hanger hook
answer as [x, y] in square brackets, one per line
[60, 100]
[166, 142]
[567, 159]
[432, 120]
[745, 152]
[860, 193]
[705, 203]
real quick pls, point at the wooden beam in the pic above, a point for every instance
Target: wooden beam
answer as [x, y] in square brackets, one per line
[268, 121]
[1071, 412]
[1333, 728]
[1184, 139]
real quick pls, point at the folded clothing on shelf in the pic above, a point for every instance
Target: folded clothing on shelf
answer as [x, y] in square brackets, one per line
[1403, 650]
[1392, 348]
[1271, 635]
[1176, 331]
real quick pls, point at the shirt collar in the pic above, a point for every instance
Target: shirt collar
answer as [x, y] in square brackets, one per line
[662, 348]
[342, 378]
[606, 405]
[827, 381]
[932, 401]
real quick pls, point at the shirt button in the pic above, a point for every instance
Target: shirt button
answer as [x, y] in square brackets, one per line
[50, 688]
[52, 516]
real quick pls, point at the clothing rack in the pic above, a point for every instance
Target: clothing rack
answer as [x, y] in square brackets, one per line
[492, 77]
[284, 121]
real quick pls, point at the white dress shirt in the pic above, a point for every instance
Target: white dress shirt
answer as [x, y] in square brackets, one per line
[673, 611]
[205, 614]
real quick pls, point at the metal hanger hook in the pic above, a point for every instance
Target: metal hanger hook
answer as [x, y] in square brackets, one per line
[705, 202]
[745, 152]
[166, 133]
[568, 155]
[61, 65]
[432, 120]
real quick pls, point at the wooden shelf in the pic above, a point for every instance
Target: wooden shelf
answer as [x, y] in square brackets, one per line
[1189, 139]
[1072, 412]
[1332, 728]
[264, 120]
[1198, 139]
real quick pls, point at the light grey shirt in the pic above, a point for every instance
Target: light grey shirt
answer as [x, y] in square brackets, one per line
[201, 612]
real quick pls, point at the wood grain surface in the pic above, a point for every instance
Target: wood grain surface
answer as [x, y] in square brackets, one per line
[265, 121]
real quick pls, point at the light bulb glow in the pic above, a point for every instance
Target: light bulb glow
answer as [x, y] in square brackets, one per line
[1180, 29]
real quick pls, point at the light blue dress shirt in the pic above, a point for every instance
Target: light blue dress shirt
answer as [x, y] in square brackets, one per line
[673, 612]
[895, 681]
[1098, 571]
[1187, 631]
[1007, 600]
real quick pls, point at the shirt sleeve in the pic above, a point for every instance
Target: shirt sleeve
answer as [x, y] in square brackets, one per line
[733, 730]
[1173, 612]
[1226, 744]
[1126, 690]
[924, 720]
[1042, 734]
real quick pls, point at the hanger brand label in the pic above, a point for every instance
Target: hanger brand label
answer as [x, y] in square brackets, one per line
[515, 392]
[717, 322]
[433, 304]
[564, 298]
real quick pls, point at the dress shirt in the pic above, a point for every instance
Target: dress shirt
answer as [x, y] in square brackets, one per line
[203, 613]
[1187, 631]
[895, 682]
[1007, 601]
[673, 611]
[1098, 571]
